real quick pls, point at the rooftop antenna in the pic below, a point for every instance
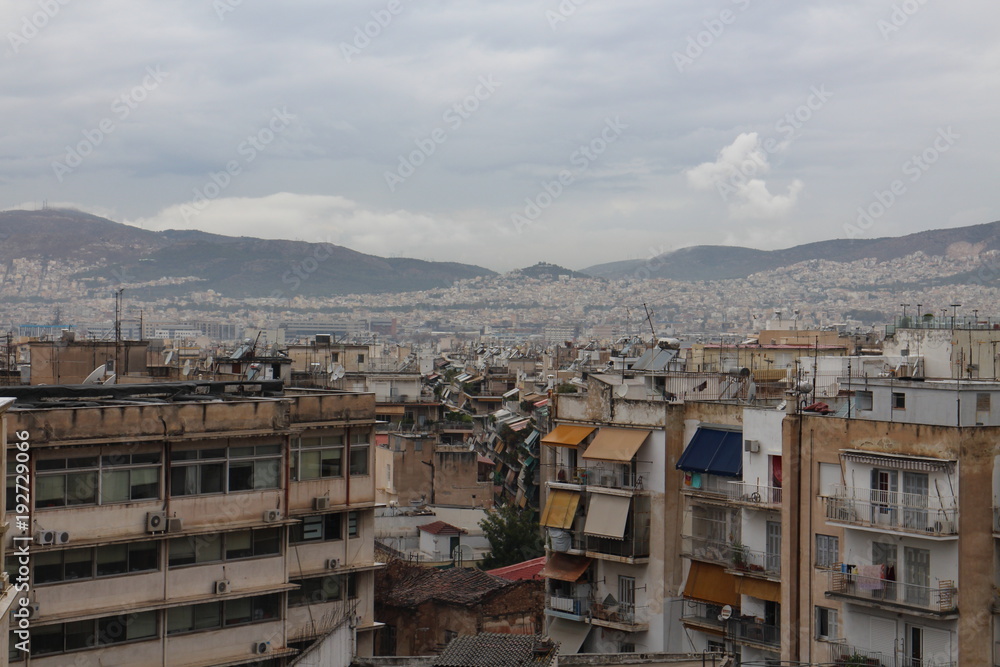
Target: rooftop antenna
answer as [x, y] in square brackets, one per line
[649, 318]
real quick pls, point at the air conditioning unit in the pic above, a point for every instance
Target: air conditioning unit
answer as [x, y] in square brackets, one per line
[333, 563]
[751, 446]
[175, 525]
[156, 522]
[270, 516]
[321, 503]
[261, 647]
[32, 609]
[944, 527]
[62, 537]
[45, 537]
[222, 587]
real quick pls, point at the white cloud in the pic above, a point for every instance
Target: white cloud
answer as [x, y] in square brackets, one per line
[735, 175]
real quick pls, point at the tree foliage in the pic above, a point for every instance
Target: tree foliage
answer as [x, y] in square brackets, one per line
[514, 536]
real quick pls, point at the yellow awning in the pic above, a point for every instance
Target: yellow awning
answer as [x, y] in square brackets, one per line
[391, 410]
[760, 589]
[712, 583]
[607, 515]
[565, 435]
[564, 567]
[769, 374]
[616, 444]
[560, 508]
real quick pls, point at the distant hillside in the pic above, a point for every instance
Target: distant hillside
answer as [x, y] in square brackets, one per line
[545, 270]
[710, 262]
[234, 266]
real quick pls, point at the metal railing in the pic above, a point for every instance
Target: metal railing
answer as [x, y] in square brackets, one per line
[707, 549]
[755, 631]
[630, 547]
[612, 476]
[620, 612]
[716, 485]
[754, 494]
[703, 613]
[578, 606]
[937, 599]
[893, 510]
[569, 475]
[845, 655]
[762, 563]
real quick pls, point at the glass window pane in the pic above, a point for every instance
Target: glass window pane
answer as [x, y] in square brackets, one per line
[329, 440]
[82, 462]
[310, 467]
[212, 477]
[208, 615]
[78, 564]
[359, 460]
[151, 457]
[207, 548]
[266, 542]
[331, 462]
[111, 629]
[211, 453]
[112, 559]
[81, 488]
[47, 639]
[312, 528]
[50, 464]
[47, 567]
[332, 526]
[238, 611]
[184, 455]
[183, 480]
[79, 635]
[114, 486]
[266, 607]
[145, 483]
[141, 625]
[181, 551]
[309, 442]
[241, 476]
[239, 545]
[265, 474]
[180, 619]
[143, 556]
[237, 452]
[264, 450]
[50, 491]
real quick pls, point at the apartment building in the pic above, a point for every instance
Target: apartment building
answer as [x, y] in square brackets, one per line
[195, 524]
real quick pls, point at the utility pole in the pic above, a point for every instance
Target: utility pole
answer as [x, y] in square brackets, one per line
[118, 331]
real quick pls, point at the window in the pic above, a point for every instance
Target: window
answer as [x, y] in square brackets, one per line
[982, 402]
[65, 637]
[91, 480]
[361, 358]
[353, 528]
[352, 585]
[222, 470]
[52, 567]
[449, 635]
[863, 400]
[318, 457]
[318, 590]
[227, 613]
[898, 400]
[826, 623]
[827, 550]
[359, 453]
[319, 528]
[215, 547]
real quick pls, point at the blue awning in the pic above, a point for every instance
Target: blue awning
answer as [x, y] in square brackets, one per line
[714, 451]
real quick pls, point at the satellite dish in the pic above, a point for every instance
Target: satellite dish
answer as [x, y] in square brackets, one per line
[329, 367]
[96, 374]
[110, 379]
[337, 372]
[187, 368]
[209, 361]
[782, 405]
[745, 372]
[727, 613]
[621, 390]
[170, 357]
[804, 387]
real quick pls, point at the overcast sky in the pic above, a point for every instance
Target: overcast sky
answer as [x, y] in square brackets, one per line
[508, 132]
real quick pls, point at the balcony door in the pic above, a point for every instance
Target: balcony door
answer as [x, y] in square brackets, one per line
[886, 555]
[773, 553]
[915, 491]
[885, 488]
[927, 646]
[918, 576]
[626, 597]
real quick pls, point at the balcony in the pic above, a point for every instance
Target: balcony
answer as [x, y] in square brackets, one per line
[612, 476]
[932, 516]
[619, 616]
[755, 496]
[845, 655]
[939, 600]
[569, 476]
[755, 632]
[703, 615]
[568, 606]
[630, 548]
[756, 563]
[707, 549]
[710, 486]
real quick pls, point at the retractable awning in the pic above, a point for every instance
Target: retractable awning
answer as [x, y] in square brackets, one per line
[565, 567]
[565, 435]
[607, 516]
[712, 583]
[569, 634]
[616, 444]
[560, 509]
[758, 588]
[714, 451]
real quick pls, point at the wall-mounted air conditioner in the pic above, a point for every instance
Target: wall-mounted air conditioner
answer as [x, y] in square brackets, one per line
[156, 522]
[45, 537]
[222, 587]
[321, 503]
[751, 446]
[270, 516]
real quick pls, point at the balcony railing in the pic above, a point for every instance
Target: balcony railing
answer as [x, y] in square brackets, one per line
[578, 606]
[703, 613]
[630, 547]
[707, 549]
[570, 475]
[703, 483]
[761, 563]
[754, 494]
[612, 476]
[755, 631]
[939, 599]
[621, 613]
[893, 510]
[845, 655]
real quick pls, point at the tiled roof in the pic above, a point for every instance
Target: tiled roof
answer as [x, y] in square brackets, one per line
[406, 586]
[529, 569]
[442, 528]
[494, 650]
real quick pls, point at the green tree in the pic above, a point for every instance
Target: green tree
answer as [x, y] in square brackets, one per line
[514, 536]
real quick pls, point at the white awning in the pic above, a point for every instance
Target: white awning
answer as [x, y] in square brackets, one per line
[607, 515]
[569, 634]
